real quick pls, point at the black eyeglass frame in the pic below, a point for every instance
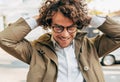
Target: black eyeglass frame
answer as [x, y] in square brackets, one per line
[61, 28]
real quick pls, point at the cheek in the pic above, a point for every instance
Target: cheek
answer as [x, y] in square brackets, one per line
[73, 35]
[55, 35]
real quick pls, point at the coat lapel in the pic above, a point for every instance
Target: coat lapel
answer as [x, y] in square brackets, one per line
[78, 42]
[46, 46]
[45, 40]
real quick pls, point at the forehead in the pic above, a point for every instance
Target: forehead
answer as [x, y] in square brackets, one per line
[60, 19]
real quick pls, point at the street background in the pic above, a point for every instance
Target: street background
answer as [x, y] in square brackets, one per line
[14, 70]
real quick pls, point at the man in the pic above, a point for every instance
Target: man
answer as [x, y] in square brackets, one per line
[65, 54]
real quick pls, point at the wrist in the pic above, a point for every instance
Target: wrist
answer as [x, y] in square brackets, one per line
[31, 22]
[37, 18]
[97, 21]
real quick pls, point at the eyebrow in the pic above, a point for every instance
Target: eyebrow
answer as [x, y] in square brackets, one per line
[64, 26]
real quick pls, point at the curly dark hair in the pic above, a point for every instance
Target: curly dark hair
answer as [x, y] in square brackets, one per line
[76, 10]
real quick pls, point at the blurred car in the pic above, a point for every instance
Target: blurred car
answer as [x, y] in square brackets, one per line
[111, 58]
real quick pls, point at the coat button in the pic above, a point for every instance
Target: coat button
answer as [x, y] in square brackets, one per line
[86, 68]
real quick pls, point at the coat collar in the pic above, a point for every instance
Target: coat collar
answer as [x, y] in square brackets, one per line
[78, 42]
[46, 41]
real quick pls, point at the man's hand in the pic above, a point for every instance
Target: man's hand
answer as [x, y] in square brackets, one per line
[113, 14]
[37, 18]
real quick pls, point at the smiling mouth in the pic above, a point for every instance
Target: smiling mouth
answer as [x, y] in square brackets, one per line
[64, 39]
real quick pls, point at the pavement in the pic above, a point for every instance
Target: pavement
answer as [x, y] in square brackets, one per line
[12, 69]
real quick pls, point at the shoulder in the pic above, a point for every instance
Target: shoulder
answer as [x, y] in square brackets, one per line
[43, 38]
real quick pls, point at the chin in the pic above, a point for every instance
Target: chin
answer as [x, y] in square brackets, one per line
[64, 46]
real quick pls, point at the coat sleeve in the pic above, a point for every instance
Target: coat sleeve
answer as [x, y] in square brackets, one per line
[12, 40]
[110, 39]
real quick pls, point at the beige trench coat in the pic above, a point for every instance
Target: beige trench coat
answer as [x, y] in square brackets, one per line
[41, 57]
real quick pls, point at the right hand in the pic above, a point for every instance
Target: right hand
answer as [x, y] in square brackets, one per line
[37, 18]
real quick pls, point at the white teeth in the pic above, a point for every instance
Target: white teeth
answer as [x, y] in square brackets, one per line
[64, 39]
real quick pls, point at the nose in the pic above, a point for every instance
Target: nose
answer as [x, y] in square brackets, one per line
[65, 33]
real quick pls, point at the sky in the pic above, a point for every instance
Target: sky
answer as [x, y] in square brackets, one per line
[6, 6]
[105, 5]
[101, 5]
[10, 2]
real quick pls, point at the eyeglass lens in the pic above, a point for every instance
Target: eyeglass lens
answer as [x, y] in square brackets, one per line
[59, 28]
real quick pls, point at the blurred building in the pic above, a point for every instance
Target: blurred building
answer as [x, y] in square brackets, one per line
[12, 10]
[92, 32]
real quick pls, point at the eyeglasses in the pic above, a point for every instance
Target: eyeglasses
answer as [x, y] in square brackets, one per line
[59, 28]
